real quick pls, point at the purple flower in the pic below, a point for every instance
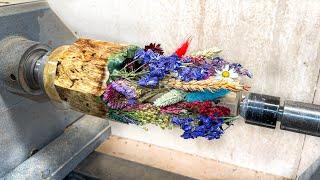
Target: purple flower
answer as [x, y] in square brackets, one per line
[218, 63]
[119, 94]
[114, 99]
[124, 88]
[132, 101]
[246, 72]
[240, 70]
[186, 59]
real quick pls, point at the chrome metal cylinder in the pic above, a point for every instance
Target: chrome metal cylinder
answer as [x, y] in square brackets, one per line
[265, 110]
[260, 109]
[301, 117]
[19, 57]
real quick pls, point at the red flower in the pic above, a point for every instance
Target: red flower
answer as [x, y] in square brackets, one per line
[206, 108]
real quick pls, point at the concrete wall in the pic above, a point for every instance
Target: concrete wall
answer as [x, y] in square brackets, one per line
[277, 39]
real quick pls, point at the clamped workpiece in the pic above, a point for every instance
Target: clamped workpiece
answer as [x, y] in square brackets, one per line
[25, 75]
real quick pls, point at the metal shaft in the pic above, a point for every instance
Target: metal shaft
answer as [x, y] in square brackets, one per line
[265, 110]
[301, 117]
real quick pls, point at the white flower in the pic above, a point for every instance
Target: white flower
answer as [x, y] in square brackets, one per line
[226, 74]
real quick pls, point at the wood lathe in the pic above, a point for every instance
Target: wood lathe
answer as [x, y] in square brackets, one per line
[44, 73]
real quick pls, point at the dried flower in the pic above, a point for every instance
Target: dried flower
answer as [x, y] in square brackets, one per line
[208, 53]
[206, 95]
[227, 74]
[114, 99]
[210, 84]
[154, 47]
[217, 64]
[120, 94]
[169, 98]
[146, 56]
[196, 60]
[172, 110]
[124, 87]
[202, 126]
[192, 73]
[206, 108]
[121, 118]
[181, 51]
[192, 84]
[159, 67]
[150, 116]
[148, 81]
[240, 70]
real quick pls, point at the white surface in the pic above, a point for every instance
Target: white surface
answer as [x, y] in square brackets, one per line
[277, 39]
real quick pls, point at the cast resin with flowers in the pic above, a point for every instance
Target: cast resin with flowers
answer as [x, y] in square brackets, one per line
[175, 90]
[143, 86]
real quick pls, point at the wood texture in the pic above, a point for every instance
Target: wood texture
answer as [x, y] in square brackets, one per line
[82, 73]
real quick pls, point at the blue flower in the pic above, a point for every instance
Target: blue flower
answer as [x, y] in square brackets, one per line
[186, 126]
[150, 56]
[183, 74]
[192, 73]
[139, 54]
[159, 66]
[187, 135]
[148, 81]
[176, 120]
[146, 56]
[172, 63]
[197, 73]
[214, 135]
[157, 71]
[206, 121]
[199, 131]
[202, 126]
[188, 120]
